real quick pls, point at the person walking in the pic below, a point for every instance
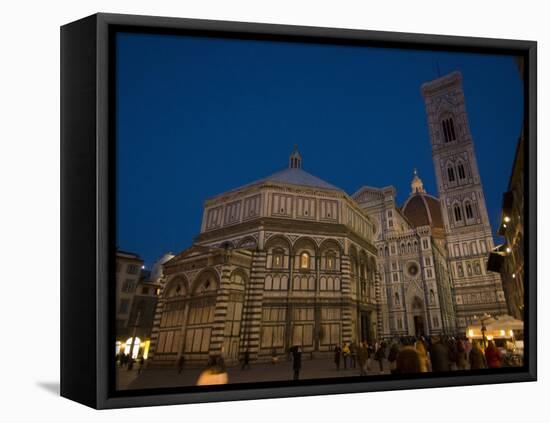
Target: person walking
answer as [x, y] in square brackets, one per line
[246, 360]
[453, 354]
[296, 362]
[214, 374]
[422, 356]
[380, 355]
[492, 356]
[181, 363]
[363, 358]
[274, 358]
[337, 356]
[392, 357]
[461, 357]
[141, 364]
[477, 358]
[353, 355]
[467, 348]
[440, 355]
[408, 359]
[345, 354]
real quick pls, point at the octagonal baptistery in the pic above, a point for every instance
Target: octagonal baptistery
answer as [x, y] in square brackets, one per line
[290, 262]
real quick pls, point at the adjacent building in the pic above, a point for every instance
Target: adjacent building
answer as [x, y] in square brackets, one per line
[128, 273]
[416, 287]
[508, 259]
[137, 296]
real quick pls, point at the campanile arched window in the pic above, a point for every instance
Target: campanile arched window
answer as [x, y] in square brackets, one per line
[461, 171]
[468, 210]
[448, 129]
[458, 213]
[451, 174]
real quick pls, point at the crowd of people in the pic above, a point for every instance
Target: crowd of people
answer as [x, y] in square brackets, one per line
[403, 355]
[126, 361]
[419, 355]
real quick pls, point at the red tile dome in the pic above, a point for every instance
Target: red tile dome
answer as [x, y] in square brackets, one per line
[423, 209]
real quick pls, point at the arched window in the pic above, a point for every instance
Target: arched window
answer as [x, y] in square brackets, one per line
[458, 213]
[460, 270]
[330, 261]
[469, 267]
[409, 247]
[461, 172]
[468, 209]
[477, 268]
[386, 250]
[448, 129]
[451, 174]
[396, 299]
[133, 350]
[402, 248]
[304, 260]
[278, 258]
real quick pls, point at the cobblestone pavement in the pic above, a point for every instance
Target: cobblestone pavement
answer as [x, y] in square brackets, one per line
[261, 372]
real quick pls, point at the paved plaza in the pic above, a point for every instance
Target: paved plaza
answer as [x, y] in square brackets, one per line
[260, 372]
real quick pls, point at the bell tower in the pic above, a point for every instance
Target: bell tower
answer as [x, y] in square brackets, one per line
[468, 230]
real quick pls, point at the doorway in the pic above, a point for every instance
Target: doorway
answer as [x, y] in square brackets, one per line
[418, 326]
[418, 317]
[366, 332]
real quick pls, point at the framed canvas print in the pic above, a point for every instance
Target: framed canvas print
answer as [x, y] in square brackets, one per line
[256, 211]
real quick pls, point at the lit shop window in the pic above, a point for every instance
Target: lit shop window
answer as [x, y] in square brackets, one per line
[128, 347]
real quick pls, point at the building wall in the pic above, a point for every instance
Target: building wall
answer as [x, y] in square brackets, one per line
[512, 227]
[284, 288]
[281, 201]
[128, 270]
[415, 287]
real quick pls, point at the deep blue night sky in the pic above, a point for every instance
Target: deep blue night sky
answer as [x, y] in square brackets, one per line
[199, 116]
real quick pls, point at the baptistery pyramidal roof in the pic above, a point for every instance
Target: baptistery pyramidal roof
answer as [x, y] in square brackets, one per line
[293, 175]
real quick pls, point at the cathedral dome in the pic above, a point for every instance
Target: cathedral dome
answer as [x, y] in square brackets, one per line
[421, 208]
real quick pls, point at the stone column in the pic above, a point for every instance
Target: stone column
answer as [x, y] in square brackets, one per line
[220, 313]
[346, 300]
[378, 299]
[252, 308]
[183, 331]
[155, 331]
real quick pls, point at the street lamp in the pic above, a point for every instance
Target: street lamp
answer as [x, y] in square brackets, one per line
[484, 329]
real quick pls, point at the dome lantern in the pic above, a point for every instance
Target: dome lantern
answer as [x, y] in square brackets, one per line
[417, 186]
[295, 160]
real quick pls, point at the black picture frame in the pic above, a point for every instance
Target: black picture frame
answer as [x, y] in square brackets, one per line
[87, 204]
